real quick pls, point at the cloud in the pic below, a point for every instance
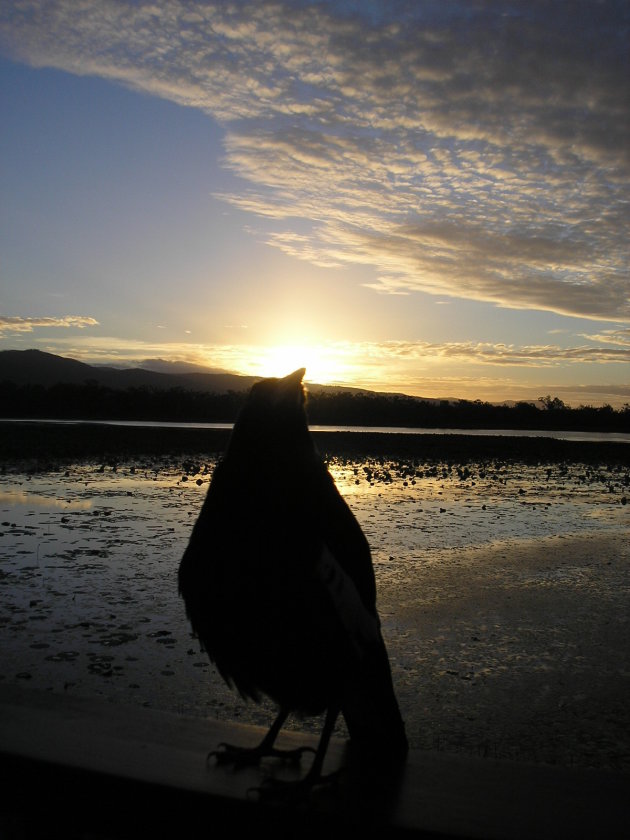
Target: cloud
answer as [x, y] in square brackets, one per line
[620, 337]
[114, 350]
[242, 356]
[480, 153]
[500, 354]
[17, 324]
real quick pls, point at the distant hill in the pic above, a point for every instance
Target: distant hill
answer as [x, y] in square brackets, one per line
[34, 367]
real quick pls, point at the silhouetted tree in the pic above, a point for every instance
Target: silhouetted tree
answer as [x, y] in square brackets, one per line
[91, 401]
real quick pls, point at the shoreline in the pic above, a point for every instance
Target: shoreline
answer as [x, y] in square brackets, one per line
[45, 442]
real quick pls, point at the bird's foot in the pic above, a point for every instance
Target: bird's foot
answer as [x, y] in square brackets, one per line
[294, 791]
[240, 757]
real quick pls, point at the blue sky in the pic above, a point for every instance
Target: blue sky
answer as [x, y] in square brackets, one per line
[422, 197]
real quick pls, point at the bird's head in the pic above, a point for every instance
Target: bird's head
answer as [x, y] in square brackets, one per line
[278, 395]
[274, 415]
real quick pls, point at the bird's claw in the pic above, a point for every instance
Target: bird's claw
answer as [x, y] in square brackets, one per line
[294, 756]
[293, 791]
[231, 754]
[249, 756]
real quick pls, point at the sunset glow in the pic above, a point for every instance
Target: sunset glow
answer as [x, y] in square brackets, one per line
[257, 187]
[323, 365]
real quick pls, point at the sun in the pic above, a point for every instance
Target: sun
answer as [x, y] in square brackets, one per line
[323, 364]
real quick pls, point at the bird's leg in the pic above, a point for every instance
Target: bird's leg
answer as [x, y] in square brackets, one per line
[314, 775]
[296, 790]
[246, 756]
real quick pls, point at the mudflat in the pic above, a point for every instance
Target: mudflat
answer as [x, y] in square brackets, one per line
[503, 586]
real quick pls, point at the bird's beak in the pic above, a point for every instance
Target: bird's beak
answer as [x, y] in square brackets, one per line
[296, 377]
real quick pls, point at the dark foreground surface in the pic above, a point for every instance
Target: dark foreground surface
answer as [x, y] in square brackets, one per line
[79, 768]
[46, 443]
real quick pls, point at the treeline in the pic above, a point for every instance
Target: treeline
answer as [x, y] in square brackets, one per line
[91, 401]
[378, 410]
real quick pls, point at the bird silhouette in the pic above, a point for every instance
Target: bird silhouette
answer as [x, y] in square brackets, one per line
[279, 587]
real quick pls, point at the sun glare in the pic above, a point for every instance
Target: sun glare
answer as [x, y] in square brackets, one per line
[322, 364]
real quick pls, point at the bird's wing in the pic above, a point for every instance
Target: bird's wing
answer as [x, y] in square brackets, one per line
[361, 625]
[368, 703]
[345, 540]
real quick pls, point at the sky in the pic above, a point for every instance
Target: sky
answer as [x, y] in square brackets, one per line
[420, 197]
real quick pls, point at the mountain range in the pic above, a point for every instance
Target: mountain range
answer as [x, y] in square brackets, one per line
[35, 367]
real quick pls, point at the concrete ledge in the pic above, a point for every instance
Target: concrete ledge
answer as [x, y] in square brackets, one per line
[79, 767]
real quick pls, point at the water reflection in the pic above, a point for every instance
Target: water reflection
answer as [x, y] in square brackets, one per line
[12, 499]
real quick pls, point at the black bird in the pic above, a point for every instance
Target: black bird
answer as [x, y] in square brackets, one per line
[278, 584]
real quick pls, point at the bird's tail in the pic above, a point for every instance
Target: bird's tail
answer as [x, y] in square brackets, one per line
[371, 711]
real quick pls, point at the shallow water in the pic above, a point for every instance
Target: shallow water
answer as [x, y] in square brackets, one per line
[88, 600]
[596, 437]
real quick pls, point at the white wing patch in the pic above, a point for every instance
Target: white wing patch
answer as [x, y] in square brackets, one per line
[361, 625]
